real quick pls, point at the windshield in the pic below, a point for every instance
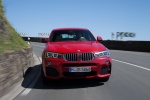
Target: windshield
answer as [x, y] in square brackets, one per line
[71, 35]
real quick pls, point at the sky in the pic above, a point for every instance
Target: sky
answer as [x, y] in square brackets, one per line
[101, 17]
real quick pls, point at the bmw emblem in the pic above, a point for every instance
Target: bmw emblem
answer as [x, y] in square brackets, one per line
[78, 50]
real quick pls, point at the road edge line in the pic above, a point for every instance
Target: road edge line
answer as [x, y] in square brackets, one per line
[132, 64]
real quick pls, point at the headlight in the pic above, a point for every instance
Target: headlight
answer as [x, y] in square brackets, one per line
[52, 55]
[102, 54]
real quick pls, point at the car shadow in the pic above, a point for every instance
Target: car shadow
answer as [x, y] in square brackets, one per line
[67, 84]
[59, 84]
[29, 75]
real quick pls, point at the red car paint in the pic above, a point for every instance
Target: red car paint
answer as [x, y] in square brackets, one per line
[75, 55]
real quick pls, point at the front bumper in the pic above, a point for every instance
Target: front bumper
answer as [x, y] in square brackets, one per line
[57, 68]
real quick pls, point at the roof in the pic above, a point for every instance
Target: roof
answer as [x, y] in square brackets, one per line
[70, 29]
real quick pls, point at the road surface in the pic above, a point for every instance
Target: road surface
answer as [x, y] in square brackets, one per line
[130, 80]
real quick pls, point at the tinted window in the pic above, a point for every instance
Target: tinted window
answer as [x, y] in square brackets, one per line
[71, 35]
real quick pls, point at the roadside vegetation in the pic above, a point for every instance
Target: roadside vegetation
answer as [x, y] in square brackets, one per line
[9, 39]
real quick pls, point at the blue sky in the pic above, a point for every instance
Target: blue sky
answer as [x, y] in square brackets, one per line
[101, 17]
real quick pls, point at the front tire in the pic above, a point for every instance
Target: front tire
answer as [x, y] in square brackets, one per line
[45, 80]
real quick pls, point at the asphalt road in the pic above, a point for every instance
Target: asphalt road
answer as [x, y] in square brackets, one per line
[130, 80]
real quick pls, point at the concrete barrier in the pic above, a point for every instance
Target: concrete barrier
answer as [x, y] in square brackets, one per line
[12, 68]
[32, 39]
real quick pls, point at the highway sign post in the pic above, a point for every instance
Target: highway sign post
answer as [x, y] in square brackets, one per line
[112, 35]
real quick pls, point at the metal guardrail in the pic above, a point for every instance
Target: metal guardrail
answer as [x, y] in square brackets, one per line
[142, 46]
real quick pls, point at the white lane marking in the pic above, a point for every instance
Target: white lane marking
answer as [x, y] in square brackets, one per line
[40, 59]
[25, 92]
[38, 45]
[132, 64]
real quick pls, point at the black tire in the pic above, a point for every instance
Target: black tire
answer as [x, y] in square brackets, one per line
[45, 80]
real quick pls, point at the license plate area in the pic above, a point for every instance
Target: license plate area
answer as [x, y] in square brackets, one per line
[79, 69]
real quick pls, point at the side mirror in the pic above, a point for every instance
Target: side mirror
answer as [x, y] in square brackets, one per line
[44, 40]
[99, 38]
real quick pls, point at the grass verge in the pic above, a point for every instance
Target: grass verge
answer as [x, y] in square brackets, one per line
[9, 38]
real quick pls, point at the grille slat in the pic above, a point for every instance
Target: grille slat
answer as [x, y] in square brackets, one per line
[82, 56]
[71, 56]
[87, 56]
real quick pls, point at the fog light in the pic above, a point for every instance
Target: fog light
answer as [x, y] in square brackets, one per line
[109, 69]
[49, 64]
[107, 62]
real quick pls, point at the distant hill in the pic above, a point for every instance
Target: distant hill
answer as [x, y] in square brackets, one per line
[9, 39]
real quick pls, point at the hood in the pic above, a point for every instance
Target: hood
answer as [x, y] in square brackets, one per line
[74, 46]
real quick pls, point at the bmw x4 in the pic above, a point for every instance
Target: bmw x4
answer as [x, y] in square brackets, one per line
[74, 53]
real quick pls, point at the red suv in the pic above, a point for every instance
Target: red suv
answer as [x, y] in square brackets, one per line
[72, 53]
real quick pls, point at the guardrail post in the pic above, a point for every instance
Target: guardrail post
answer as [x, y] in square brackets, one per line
[28, 40]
